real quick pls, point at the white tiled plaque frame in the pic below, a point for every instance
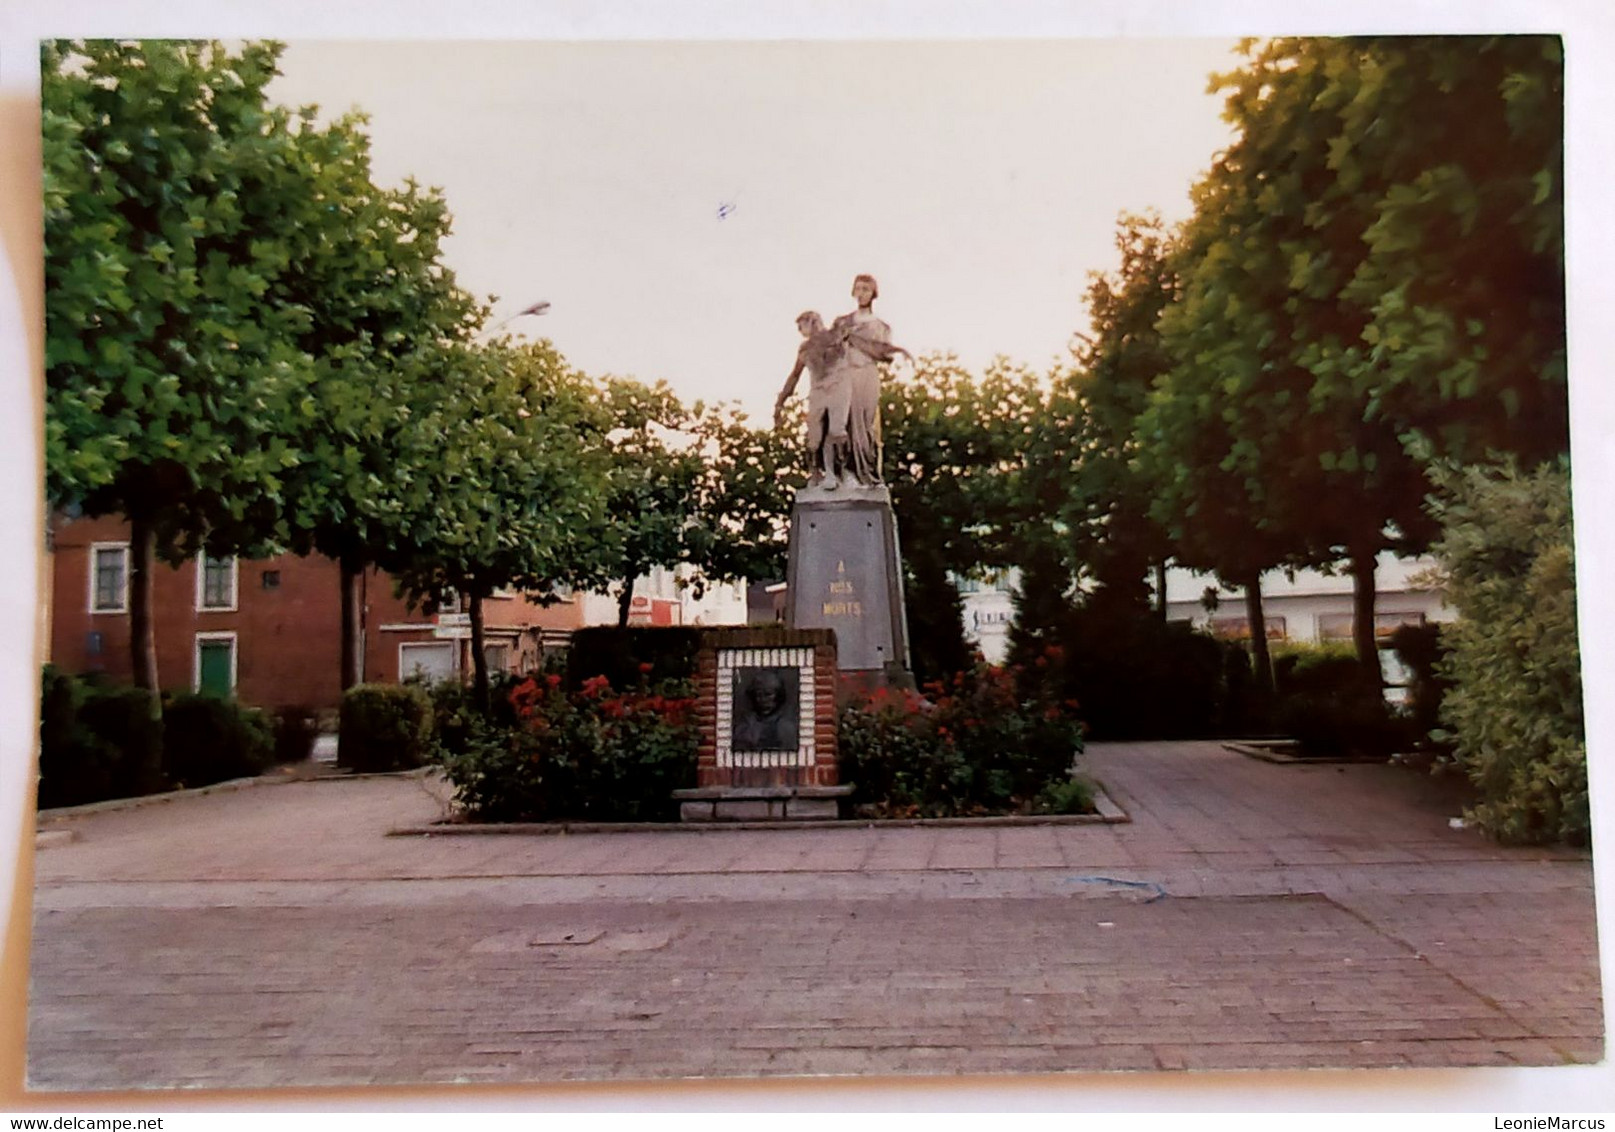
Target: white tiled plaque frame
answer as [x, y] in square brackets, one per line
[730, 659]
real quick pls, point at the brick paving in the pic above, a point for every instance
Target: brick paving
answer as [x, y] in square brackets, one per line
[1315, 916]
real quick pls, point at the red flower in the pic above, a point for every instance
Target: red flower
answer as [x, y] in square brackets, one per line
[644, 668]
[596, 686]
[552, 680]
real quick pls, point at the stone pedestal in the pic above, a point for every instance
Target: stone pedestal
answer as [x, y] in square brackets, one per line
[845, 574]
[766, 706]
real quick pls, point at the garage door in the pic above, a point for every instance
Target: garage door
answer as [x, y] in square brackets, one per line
[432, 661]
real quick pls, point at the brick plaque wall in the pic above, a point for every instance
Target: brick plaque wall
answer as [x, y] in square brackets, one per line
[765, 702]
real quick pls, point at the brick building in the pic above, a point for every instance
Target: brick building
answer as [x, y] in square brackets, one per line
[269, 631]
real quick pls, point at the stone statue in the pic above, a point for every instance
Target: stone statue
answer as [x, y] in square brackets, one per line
[828, 399]
[843, 365]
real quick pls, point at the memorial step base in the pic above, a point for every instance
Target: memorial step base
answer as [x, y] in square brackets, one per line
[760, 803]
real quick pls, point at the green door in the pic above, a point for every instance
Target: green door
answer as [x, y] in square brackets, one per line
[214, 664]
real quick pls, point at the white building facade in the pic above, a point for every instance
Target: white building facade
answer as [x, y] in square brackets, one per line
[1310, 607]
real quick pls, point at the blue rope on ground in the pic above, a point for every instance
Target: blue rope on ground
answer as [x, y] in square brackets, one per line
[1145, 884]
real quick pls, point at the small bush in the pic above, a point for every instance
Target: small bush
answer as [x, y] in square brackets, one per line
[594, 755]
[1073, 796]
[1136, 676]
[207, 740]
[384, 727]
[296, 728]
[975, 746]
[1353, 722]
[620, 654]
[454, 711]
[1421, 649]
[1326, 706]
[96, 742]
[1316, 670]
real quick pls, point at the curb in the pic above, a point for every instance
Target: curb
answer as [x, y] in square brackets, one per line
[1283, 758]
[112, 804]
[1109, 813]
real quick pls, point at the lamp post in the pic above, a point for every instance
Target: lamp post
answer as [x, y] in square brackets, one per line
[540, 307]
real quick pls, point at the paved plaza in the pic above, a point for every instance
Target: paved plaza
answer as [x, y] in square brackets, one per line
[1313, 915]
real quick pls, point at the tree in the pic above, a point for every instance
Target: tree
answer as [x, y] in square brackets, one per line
[750, 477]
[1107, 507]
[511, 487]
[656, 475]
[953, 442]
[380, 309]
[1302, 262]
[172, 194]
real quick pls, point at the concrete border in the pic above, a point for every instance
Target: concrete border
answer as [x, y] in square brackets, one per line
[1107, 812]
[1267, 754]
[229, 785]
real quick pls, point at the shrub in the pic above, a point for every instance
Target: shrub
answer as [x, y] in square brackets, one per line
[1514, 710]
[594, 754]
[454, 711]
[619, 654]
[1072, 796]
[1354, 721]
[384, 727]
[296, 728]
[1326, 706]
[207, 740]
[1316, 670]
[977, 745]
[1421, 650]
[96, 742]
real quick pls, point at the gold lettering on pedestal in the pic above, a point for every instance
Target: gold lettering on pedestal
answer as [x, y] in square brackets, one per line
[842, 608]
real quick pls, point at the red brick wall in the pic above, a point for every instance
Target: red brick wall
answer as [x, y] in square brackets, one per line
[288, 645]
[824, 771]
[288, 639]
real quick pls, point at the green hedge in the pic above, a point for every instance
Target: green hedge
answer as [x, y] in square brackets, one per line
[384, 727]
[296, 728]
[631, 657]
[97, 741]
[207, 740]
[1514, 710]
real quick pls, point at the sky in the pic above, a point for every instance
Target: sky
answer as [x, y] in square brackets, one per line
[680, 204]
[973, 156]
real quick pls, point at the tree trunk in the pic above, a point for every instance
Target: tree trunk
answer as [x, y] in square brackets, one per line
[142, 638]
[1261, 659]
[143, 650]
[352, 624]
[1160, 588]
[625, 600]
[479, 656]
[1364, 561]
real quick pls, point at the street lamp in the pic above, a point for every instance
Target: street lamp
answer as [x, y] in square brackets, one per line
[540, 307]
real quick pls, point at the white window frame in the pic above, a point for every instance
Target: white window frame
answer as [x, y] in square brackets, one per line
[196, 657]
[95, 553]
[201, 584]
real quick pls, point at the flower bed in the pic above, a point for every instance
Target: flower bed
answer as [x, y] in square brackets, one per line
[980, 743]
[973, 746]
[597, 754]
